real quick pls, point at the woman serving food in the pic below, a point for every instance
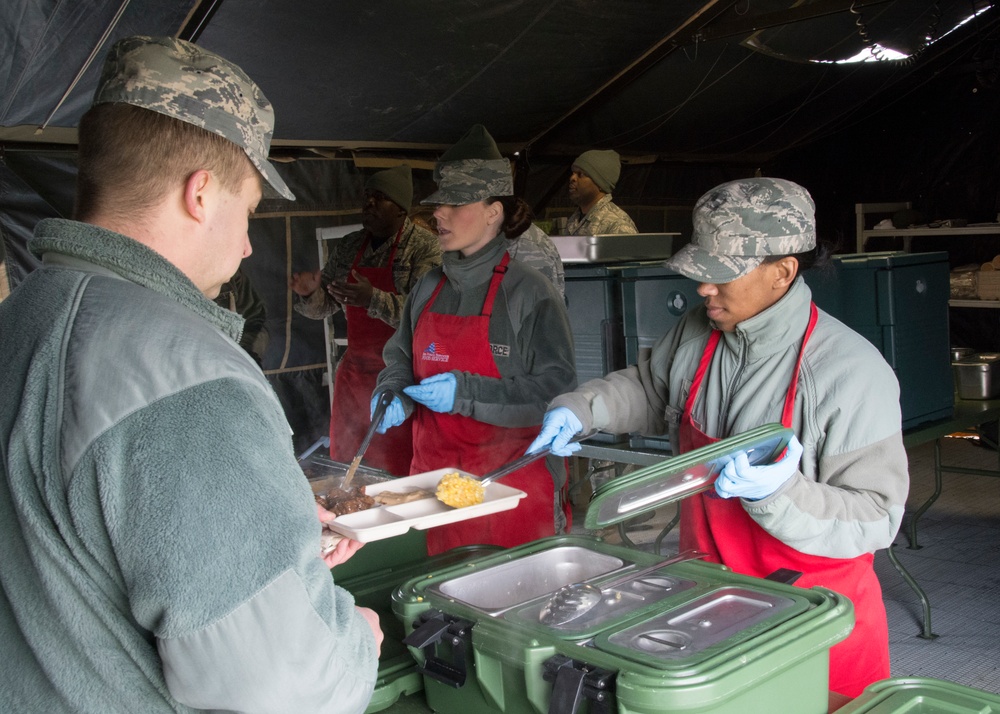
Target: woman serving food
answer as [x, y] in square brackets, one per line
[483, 344]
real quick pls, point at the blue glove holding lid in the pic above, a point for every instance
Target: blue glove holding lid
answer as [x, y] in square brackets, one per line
[436, 392]
[740, 479]
[394, 414]
[558, 426]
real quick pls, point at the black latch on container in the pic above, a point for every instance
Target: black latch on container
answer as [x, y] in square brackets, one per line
[573, 681]
[433, 627]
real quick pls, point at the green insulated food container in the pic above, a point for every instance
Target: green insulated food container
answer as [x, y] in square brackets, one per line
[397, 671]
[915, 695]
[687, 637]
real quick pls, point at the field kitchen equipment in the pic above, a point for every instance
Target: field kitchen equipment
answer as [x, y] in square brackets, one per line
[397, 670]
[899, 302]
[610, 312]
[917, 695]
[689, 636]
[654, 299]
[978, 376]
[618, 247]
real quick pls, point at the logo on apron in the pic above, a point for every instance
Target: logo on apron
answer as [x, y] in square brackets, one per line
[435, 352]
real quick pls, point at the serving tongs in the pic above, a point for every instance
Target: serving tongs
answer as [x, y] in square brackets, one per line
[507, 469]
[571, 601]
[383, 403]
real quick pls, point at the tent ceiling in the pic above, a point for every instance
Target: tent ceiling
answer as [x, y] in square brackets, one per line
[683, 80]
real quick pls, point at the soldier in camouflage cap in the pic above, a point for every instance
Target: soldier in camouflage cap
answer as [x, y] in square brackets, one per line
[740, 223]
[484, 341]
[474, 167]
[118, 335]
[183, 81]
[759, 352]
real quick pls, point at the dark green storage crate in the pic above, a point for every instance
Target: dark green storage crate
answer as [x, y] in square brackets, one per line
[899, 302]
[654, 299]
[594, 305]
[595, 317]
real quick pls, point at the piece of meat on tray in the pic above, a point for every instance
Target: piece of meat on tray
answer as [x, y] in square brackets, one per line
[341, 502]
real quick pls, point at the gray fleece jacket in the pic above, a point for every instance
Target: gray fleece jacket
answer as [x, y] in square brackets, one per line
[160, 542]
[848, 495]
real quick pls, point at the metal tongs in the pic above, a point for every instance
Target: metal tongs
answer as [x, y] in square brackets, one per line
[571, 601]
[383, 403]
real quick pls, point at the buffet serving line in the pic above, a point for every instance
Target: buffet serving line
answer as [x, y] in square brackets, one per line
[572, 623]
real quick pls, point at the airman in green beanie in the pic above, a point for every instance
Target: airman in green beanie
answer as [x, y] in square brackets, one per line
[594, 176]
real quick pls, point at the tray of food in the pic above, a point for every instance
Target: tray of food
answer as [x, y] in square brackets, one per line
[375, 509]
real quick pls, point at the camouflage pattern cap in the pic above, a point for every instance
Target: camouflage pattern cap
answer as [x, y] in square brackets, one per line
[739, 223]
[471, 170]
[183, 81]
[471, 180]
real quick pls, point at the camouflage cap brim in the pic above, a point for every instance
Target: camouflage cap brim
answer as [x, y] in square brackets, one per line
[699, 265]
[471, 180]
[183, 81]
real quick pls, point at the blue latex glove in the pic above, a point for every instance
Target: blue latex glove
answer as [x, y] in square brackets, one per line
[437, 392]
[394, 414]
[558, 427]
[739, 478]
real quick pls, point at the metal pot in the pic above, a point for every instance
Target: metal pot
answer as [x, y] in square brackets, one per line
[978, 376]
[958, 353]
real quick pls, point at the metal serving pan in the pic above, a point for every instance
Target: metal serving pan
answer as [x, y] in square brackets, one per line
[617, 247]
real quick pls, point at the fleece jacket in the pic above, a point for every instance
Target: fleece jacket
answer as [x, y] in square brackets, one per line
[160, 542]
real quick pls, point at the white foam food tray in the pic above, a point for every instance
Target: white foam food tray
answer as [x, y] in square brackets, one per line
[388, 521]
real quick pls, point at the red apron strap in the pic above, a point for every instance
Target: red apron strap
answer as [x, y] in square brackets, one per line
[498, 272]
[787, 412]
[364, 245]
[706, 359]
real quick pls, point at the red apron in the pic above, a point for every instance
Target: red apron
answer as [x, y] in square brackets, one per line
[443, 343]
[724, 530]
[356, 375]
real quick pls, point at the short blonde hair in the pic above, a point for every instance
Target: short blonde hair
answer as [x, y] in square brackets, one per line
[130, 158]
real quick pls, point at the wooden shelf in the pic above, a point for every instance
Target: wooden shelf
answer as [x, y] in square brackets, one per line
[907, 233]
[864, 233]
[988, 304]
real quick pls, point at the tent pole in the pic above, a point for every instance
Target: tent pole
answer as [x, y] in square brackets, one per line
[93, 53]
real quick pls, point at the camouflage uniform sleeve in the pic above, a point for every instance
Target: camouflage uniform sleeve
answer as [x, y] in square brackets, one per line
[534, 248]
[419, 251]
[320, 303]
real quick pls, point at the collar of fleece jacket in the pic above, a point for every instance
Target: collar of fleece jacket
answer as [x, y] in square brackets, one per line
[132, 261]
[774, 329]
[477, 268]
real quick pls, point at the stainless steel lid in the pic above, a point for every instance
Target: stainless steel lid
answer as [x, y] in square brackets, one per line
[717, 620]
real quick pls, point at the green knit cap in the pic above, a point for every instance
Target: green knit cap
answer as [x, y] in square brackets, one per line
[471, 170]
[604, 167]
[396, 183]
